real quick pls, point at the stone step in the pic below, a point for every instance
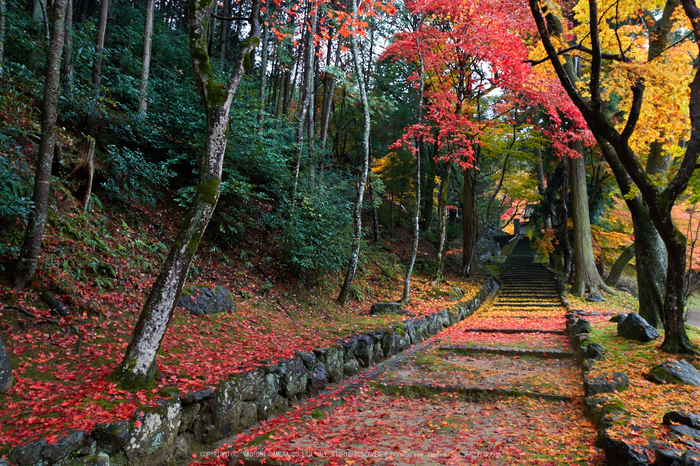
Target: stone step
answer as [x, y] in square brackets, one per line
[507, 351]
[472, 394]
[548, 303]
[514, 330]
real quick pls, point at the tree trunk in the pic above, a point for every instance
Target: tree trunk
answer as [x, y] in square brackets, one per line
[619, 266]
[470, 222]
[3, 13]
[225, 31]
[442, 225]
[146, 56]
[586, 276]
[329, 88]
[659, 202]
[375, 214]
[139, 367]
[29, 254]
[83, 171]
[263, 76]
[97, 66]
[416, 206]
[308, 92]
[429, 194]
[565, 217]
[357, 214]
[542, 184]
[651, 263]
[68, 51]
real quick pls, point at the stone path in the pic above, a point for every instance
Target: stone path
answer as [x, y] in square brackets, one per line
[499, 388]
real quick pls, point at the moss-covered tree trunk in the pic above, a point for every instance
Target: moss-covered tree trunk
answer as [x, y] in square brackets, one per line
[357, 214]
[139, 366]
[29, 254]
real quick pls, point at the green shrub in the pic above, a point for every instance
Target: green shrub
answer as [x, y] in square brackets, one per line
[15, 192]
[314, 234]
[133, 179]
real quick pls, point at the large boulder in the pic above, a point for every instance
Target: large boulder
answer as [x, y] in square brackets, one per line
[673, 371]
[634, 327]
[5, 369]
[201, 300]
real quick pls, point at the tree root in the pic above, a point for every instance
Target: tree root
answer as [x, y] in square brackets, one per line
[31, 314]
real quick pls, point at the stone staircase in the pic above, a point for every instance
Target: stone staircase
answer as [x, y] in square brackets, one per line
[499, 388]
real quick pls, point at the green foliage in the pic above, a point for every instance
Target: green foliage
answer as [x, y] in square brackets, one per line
[15, 191]
[314, 234]
[132, 178]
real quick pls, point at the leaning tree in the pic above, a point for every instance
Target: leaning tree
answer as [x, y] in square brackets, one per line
[139, 368]
[618, 139]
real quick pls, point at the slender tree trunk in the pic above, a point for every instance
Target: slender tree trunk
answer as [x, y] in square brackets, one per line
[29, 254]
[97, 66]
[565, 217]
[375, 215]
[442, 225]
[225, 31]
[308, 98]
[357, 214]
[139, 366]
[586, 276]
[68, 72]
[470, 222]
[146, 56]
[429, 195]
[416, 207]
[329, 88]
[542, 184]
[3, 13]
[263, 76]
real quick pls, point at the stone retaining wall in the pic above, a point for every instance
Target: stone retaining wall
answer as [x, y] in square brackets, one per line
[184, 422]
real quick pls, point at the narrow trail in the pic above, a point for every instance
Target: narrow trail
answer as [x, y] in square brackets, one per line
[499, 388]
